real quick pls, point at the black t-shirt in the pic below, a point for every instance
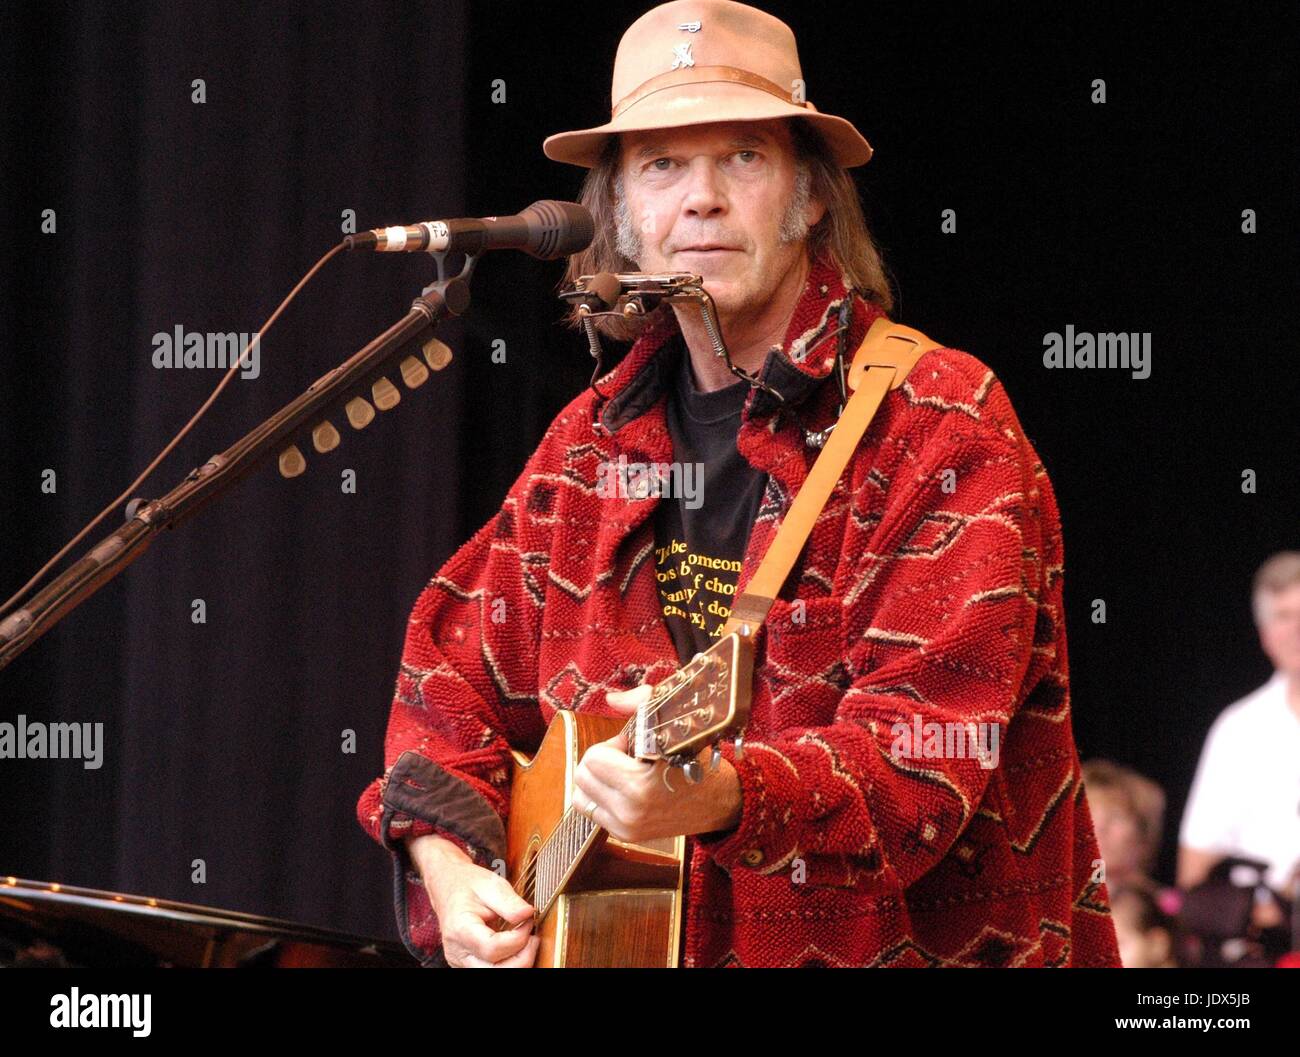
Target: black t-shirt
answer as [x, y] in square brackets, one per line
[702, 526]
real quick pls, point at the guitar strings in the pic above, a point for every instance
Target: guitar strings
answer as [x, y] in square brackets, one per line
[629, 731]
[530, 874]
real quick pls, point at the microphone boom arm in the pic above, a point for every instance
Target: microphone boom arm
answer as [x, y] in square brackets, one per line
[363, 372]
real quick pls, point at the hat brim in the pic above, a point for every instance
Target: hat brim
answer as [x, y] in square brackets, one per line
[702, 103]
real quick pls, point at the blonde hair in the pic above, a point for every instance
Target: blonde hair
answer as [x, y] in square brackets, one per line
[842, 231]
[1142, 798]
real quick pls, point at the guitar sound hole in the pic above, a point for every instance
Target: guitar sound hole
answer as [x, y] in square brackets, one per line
[528, 872]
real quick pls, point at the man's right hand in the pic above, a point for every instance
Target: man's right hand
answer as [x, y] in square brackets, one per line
[467, 900]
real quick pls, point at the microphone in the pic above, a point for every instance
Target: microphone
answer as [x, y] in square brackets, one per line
[546, 230]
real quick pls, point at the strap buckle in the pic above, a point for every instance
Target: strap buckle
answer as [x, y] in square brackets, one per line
[889, 345]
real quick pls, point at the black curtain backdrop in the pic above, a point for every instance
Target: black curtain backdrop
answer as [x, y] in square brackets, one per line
[224, 739]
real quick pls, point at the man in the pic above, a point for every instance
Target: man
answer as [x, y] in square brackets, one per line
[1245, 798]
[928, 596]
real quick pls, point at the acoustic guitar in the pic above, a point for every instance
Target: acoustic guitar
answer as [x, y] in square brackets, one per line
[598, 901]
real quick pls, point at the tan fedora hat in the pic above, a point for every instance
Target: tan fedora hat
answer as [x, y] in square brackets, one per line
[690, 62]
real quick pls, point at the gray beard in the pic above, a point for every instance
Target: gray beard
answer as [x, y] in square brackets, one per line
[794, 228]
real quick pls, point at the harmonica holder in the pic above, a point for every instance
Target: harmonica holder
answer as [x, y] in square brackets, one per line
[643, 292]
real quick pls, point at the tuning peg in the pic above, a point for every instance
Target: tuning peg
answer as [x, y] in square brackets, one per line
[292, 462]
[436, 354]
[693, 772]
[414, 373]
[715, 759]
[360, 414]
[325, 437]
[385, 394]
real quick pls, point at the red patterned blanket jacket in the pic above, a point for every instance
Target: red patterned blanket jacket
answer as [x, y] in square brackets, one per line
[931, 593]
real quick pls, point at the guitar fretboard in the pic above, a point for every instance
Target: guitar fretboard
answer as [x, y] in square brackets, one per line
[563, 850]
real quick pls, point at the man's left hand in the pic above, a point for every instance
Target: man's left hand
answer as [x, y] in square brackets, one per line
[630, 798]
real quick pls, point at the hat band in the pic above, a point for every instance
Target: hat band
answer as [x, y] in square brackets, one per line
[702, 75]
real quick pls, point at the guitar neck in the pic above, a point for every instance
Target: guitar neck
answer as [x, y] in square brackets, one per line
[703, 701]
[562, 853]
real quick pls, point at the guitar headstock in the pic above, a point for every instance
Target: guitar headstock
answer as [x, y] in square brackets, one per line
[703, 702]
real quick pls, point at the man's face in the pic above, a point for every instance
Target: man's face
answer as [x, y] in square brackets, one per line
[726, 201]
[1279, 631]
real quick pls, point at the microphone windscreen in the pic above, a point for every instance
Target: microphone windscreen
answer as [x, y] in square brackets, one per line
[558, 229]
[606, 287]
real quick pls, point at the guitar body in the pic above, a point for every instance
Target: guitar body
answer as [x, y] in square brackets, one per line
[623, 905]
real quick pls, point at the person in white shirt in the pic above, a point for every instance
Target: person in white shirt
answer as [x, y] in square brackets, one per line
[1245, 798]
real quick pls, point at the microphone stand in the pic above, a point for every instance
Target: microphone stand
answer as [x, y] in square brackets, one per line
[201, 486]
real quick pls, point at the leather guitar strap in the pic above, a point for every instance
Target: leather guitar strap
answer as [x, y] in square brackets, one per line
[882, 362]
